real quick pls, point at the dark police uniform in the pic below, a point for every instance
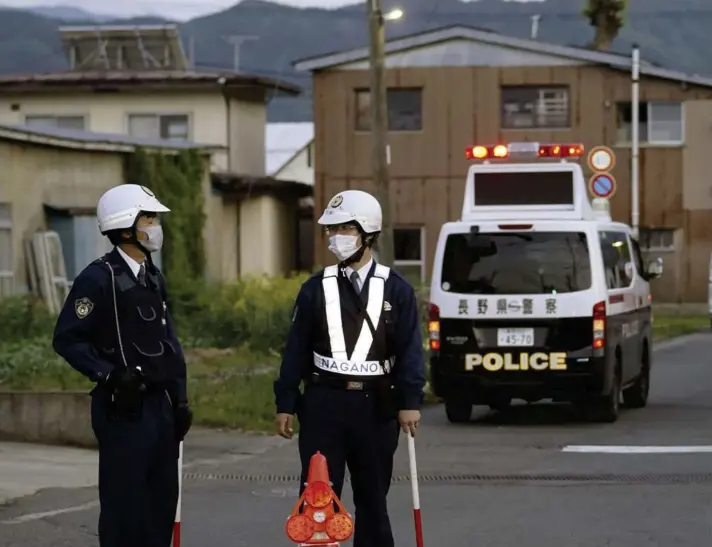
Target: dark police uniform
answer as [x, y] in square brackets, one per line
[354, 384]
[136, 432]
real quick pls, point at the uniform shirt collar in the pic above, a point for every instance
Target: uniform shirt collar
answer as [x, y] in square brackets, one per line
[362, 272]
[133, 265]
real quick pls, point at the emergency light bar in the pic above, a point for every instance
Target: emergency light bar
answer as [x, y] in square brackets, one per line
[524, 150]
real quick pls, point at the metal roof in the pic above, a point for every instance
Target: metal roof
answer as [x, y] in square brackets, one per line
[133, 78]
[283, 141]
[463, 32]
[85, 140]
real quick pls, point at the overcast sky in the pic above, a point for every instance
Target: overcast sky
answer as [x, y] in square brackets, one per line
[175, 9]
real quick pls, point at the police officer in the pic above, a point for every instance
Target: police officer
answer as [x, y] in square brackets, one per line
[355, 342]
[116, 330]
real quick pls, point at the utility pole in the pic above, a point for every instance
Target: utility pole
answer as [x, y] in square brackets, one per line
[237, 41]
[635, 137]
[379, 127]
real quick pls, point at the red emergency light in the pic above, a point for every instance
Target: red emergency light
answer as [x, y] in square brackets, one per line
[504, 151]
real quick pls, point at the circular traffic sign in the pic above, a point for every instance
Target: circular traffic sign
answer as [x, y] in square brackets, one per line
[601, 158]
[602, 185]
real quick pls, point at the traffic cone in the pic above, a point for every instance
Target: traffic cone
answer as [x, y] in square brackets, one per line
[319, 523]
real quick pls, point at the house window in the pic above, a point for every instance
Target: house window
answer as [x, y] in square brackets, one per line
[159, 126]
[63, 122]
[405, 109]
[408, 254]
[657, 239]
[659, 123]
[7, 277]
[535, 107]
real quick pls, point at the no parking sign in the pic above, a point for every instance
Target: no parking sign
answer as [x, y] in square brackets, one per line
[602, 185]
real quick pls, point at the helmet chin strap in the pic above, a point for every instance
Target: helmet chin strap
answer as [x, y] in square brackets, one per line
[358, 255]
[134, 240]
[367, 241]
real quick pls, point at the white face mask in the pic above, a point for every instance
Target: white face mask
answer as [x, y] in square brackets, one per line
[155, 238]
[343, 247]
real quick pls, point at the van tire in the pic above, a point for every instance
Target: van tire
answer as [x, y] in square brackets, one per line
[636, 396]
[606, 408]
[458, 412]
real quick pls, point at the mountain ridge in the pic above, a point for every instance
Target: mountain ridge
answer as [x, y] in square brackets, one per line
[674, 35]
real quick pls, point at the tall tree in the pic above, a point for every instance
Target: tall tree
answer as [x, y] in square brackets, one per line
[606, 16]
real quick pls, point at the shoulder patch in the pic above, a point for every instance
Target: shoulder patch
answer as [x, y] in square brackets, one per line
[83, 307]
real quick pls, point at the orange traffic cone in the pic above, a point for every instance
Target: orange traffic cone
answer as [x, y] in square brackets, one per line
[319, 523]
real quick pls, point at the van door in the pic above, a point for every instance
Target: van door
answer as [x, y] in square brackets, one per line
[622, 321]
[642, 295]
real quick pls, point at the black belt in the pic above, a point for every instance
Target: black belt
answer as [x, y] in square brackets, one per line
[347, 383]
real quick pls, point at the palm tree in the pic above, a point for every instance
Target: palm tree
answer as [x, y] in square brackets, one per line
[606, 16]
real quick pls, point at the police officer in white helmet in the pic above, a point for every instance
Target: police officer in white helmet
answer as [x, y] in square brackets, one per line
[116, 330]
[355, 343]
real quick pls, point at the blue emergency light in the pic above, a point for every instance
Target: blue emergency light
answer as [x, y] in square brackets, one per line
[523, 149]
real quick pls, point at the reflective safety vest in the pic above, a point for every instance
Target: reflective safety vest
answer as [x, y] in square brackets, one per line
[340, 361]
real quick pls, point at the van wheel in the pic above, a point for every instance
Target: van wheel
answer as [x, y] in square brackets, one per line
[606, 409]
[636, 396]
[458, 412]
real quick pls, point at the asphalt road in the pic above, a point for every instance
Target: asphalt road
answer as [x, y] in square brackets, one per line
[503, 480]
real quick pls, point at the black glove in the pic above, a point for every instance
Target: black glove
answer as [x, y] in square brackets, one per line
[125, 380]
[127, 389]
[183, 419]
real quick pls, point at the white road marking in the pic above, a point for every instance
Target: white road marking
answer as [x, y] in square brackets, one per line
[38, 516]
[590, 449]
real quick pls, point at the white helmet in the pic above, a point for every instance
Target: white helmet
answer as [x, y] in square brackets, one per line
[354, 206]
[119, 207]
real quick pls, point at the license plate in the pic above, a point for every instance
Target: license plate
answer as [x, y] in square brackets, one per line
[515, 337]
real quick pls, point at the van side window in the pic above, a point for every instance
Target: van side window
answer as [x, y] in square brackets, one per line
[617, 259]
[637, 256]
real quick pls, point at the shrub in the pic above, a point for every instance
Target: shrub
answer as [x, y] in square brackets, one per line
[255, 311]
[23, 317]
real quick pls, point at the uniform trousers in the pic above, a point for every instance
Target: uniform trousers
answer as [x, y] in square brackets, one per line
[138, 472]
[344, 426]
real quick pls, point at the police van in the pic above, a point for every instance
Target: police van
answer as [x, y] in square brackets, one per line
[536, 293]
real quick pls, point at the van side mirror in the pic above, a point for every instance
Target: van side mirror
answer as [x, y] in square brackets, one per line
[654, 269]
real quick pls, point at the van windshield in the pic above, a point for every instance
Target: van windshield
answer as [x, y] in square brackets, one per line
[516, 263]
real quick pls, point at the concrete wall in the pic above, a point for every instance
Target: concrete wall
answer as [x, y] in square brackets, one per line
[36, 175]
[33, 176]
[237, 124]
[110, 113]
[267, 236]
[48, 418]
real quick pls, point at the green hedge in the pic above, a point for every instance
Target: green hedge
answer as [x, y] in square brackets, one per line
[254, 313]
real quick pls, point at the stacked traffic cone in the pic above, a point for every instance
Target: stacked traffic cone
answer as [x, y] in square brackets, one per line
[319, 522]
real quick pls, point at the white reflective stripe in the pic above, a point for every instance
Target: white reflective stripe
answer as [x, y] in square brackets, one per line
[333, 313]
[376, 291]
[349, 368]
[335, 326]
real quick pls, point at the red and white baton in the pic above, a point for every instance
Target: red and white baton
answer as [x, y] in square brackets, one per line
[416, 494]
[176, 525]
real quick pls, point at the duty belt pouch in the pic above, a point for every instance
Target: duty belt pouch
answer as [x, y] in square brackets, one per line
[386, 405]
[127, 404]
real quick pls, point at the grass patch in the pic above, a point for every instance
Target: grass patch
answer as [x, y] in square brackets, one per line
[672, 326]
[232, 388]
